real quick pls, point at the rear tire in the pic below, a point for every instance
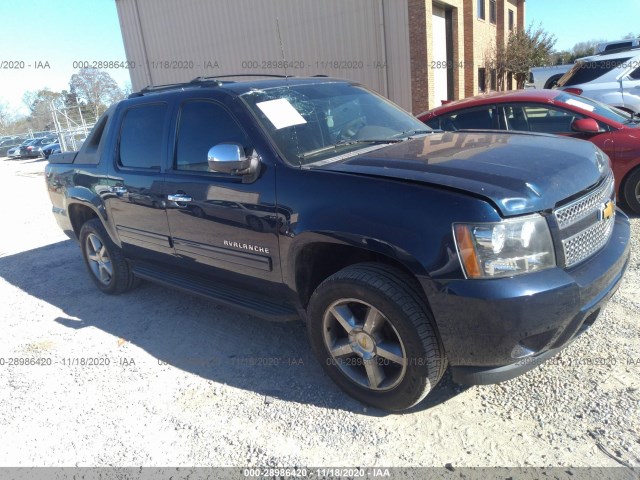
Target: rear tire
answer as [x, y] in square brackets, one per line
[105, 262]
[631, 191]
[552, 82]
[375, 337]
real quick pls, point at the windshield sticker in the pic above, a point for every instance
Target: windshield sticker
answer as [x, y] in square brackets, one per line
[281, 113]
[579, 104]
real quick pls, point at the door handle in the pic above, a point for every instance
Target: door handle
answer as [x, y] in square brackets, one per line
[179, 197]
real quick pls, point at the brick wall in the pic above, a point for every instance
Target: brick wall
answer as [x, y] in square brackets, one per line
[474, 40]
[418, 56]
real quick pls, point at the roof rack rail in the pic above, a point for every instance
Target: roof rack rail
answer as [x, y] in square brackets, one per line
[157, 88]
[175, 86]
[200, 81]
[213, 78]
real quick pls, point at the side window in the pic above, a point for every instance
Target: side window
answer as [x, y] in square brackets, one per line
[539, 118]
[433, 123]
[204, 124]
[141, 136]
[483, 118]
[635, 74]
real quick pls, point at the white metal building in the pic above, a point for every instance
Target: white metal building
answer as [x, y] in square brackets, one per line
[415, 52]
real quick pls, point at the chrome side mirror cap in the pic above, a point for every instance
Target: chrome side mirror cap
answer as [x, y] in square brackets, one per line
[230, 158]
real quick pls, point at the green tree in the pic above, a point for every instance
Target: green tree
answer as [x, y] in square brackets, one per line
[525, 49]
[95, 88]
[585, 49]
[39, 103]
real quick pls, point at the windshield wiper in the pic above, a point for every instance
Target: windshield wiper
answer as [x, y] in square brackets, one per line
[409, 133]
[344, 143]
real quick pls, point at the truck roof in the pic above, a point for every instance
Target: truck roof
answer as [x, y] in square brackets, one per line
[237, 87]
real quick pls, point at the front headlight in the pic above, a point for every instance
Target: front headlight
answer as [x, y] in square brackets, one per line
[506, 248]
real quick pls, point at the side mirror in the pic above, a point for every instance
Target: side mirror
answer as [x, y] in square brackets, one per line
[230, 158]
[585, 125]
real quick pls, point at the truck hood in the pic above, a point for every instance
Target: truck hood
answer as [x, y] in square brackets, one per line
[519, 173]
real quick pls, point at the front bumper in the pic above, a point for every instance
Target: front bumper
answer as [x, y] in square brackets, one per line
[495, 330]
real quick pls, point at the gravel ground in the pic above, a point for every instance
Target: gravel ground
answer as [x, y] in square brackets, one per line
[176, 380]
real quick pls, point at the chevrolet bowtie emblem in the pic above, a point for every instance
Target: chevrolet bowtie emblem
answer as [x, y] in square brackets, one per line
[608, 209]
[363, 342]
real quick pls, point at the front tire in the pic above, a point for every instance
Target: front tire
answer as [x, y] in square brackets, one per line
[631, 191]
[375, 337]
[105, 262]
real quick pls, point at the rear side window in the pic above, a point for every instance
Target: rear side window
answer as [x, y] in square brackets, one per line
[483, 118]
[204, 124]
[142, 135]
[96, 134]
[635, 74]
[584, 72]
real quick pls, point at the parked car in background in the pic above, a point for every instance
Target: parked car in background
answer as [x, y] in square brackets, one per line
[8, 143]
[555, 112]
[546, 77]
[613, 79]
[34, 148]
[17, 151]
[50, 149]
[13, 152]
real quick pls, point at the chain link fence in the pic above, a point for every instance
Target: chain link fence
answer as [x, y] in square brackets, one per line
[67, 127]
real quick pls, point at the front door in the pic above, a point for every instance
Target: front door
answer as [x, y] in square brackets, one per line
[219, 225]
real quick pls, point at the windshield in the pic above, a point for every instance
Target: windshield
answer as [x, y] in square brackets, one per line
[598, 108]
[314, 122]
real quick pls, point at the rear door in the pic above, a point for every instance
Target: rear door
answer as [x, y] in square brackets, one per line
[220, 225]
[135, 199]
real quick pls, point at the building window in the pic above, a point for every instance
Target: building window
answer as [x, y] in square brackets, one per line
[493, 12]
[511, 21]
[482, 80]
[481, 10]
[509, 81]
[494, 80]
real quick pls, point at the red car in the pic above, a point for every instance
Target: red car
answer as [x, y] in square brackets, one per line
[555, 112]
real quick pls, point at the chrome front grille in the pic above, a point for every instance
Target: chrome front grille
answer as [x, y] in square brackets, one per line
[585, 206]
[581, 246]
[584, 226]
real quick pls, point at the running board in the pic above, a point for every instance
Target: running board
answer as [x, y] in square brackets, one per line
[246, 301]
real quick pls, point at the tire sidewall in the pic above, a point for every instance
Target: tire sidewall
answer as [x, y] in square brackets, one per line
[629, 192]
[91, 228]
[412, 386]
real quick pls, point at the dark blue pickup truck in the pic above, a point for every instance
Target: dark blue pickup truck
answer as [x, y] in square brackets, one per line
[405, 250]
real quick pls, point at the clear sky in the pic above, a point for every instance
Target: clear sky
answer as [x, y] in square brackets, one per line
[573, 21]
[61, 32]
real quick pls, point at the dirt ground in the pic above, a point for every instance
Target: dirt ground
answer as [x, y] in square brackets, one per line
[156, 377]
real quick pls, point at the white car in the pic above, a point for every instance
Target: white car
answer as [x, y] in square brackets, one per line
[613, 79]
[546, 77]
